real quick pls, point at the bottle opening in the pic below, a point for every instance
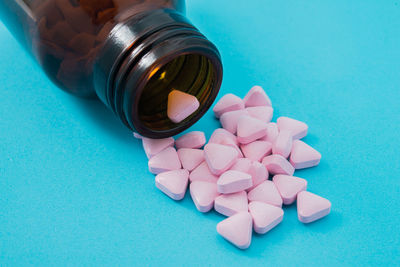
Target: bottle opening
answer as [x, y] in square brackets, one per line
[190, 73]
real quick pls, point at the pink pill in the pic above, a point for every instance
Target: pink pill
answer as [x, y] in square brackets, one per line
[237, 229]
[289, 187]
[190, 158]
[257, 150]
[230, 204]
[283, 144]
[272, 133]
[173, 183]
[256, 97]
[242, 165]
[228, 102]
[276, 164]
[234, 181]
[297, 128]
[155, 146]
[303, 155]
[195, 139]
[229, 142]
[266, 192]
[265, 216]
[219, 158]
[181, 105]
[137, 136]
[263, 113]
[311, 207]
[258, 173]
[166, 160]
[203, 173]
[203, 195]
[229, 120]
[221, 135]
[250, 129]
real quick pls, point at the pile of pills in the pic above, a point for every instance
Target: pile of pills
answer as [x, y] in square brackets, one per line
[231, 172]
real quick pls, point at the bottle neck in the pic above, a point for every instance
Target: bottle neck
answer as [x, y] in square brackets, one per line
[148, 56]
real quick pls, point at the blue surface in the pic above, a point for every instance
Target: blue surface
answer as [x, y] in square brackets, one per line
[74, 185]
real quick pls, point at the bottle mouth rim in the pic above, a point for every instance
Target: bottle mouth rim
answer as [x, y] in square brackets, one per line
[208, 92]
[136, 48]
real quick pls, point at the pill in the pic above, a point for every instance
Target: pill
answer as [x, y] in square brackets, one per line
[256, 97]
[250, 129]
[234, 181]
[154, 146]
[265, 216]
[276, 164]
[229, 142]
[190, 157]
[195, 139]
[242, 165]
[229, 120]
[237, 229]
[283, 144]
[203, 195]
[304, 156]
[289, 187]
[272, 132]
[173, 183]
[297, 128]
[219, 158]
[263, 113]
[220, 135]
[258, 174]
[230, 204]
[228, 102]
[181, 105]
[166, 160]
[256, 150]
[266, 192]
[203, 173]
[311, 207]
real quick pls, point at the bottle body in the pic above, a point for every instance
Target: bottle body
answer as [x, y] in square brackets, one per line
[130, 53]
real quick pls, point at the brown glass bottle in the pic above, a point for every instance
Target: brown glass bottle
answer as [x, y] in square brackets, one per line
[128, 53]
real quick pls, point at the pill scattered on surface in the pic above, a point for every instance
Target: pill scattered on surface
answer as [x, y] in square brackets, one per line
[195, 139]
[283, 144]
[303, 155]
[256, 150]
[250, 129]
[173, 183]
[203, 173]
[297, 128]
[311, 207]
[154, 146]
[230, 204]
[181, 105]
[231, 173]
[228, 102]
[263, 113]
[190, 157]
[237, 229]
[234, 181]
[166, 160]
[289, 187]
[265, 216]
[229, 120]
[276, 164]
[219, 158]
[203, 195]
[266, 192]
[256, 97]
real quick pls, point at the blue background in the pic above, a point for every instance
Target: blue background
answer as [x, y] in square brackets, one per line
[74, 185]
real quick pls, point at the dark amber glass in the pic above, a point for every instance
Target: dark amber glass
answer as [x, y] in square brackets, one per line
[128, 53]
